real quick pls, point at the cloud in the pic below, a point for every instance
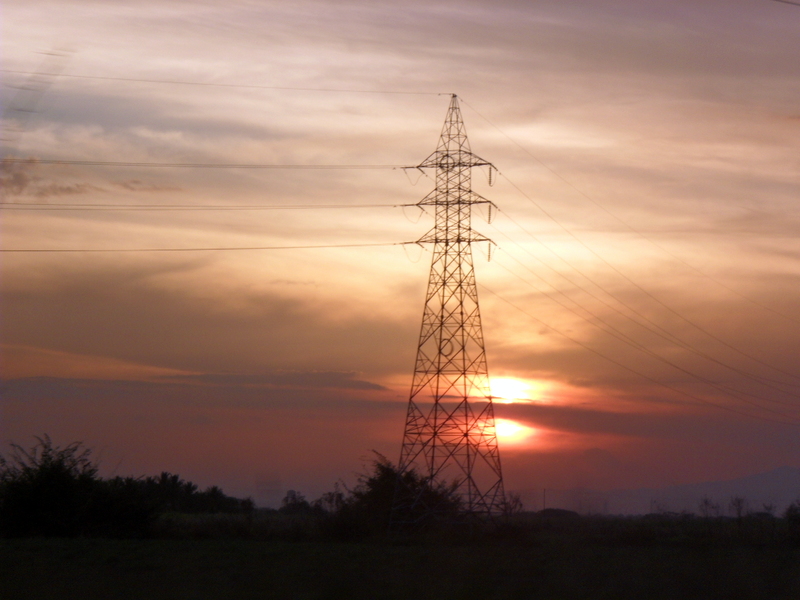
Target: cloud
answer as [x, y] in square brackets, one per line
[26, 361]
[136, 185]
[164, 314]
[241, 436]
[15, 177]
[299, 392]
[24, 179]
[312, 379]
[635, 424]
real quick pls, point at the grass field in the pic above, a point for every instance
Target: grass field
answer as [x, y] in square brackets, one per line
[87, 569]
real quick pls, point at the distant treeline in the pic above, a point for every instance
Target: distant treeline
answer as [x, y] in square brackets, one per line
[49, 491]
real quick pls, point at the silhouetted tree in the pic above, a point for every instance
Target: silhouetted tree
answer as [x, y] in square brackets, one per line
[792, 516]
[513, 504]
[53, 491]
[170, 493]
[331, 502]
[387, 497]
[47, 490]
[709, 508]
[122, 508]
[295, 503]
[738, 506]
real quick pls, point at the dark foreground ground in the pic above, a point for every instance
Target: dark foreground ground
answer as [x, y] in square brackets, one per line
[87, 569]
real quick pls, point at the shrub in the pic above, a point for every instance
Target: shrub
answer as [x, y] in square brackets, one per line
[47, 491]
[792, 517]
[55, 492]
[387, 498]
[295, 503]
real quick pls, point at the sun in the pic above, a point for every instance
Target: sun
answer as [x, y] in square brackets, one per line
[513, 432]
[507, 390]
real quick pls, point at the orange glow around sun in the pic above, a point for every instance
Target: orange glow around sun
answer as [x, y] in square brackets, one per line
[507, 390]
[513, 432]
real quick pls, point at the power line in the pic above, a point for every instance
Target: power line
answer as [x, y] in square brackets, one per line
[610, 329]
[634, 371]
[788, 2]
[656, 329]
[628, 225]
[226, 85]
[644, 291]
[217, 249]
[109, 163]
[46, 207]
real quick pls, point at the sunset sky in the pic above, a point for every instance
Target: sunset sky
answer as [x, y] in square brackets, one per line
[640, 310]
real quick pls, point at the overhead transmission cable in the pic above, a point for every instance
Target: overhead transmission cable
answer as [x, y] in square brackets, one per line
[767, 382]
[615, 332]
[634, 371]
[47, 207]
[656, 329]
[643, 290]
[298, 166]
[628, 225]
[177, 165]
[199, 249]
[225, 85]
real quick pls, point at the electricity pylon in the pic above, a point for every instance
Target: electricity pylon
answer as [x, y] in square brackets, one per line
[450, 430]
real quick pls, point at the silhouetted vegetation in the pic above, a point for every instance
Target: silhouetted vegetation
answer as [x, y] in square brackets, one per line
[346, 544]
[386, 500]
[49, 491]
[362, 513]
[53, 491]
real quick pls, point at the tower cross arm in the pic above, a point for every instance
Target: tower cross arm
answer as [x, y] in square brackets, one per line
[468, 237]
[439, 197]
[449, 159]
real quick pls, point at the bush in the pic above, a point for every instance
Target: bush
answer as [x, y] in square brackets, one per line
[55, 492]
[294, 503]
[170, 493]
[48, 491]
[792, 518]
[387, 499]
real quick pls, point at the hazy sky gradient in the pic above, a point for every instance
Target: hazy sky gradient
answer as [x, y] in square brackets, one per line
[649, 205]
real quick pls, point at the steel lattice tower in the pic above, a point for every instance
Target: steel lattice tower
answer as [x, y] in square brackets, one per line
[450, 429]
